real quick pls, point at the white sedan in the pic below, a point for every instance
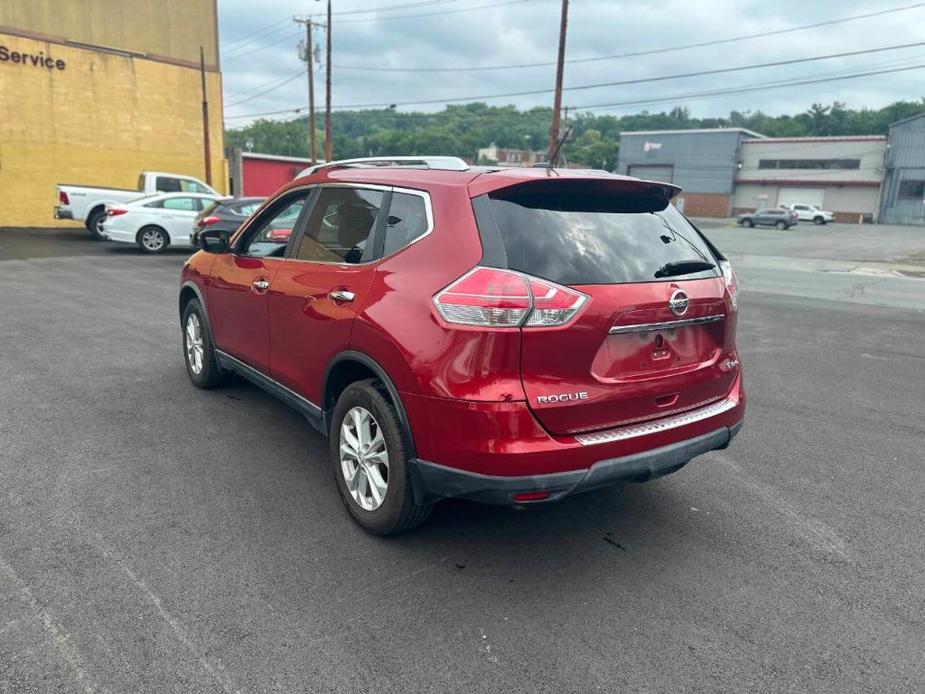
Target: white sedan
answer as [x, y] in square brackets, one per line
[157, 221]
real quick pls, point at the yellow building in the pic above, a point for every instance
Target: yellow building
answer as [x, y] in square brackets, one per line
[97, 91]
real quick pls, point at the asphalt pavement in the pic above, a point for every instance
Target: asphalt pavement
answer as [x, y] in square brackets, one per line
[158, 538]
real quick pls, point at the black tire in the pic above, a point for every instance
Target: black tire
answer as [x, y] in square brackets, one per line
[782, 225]
[95, 224]
[747, 223]
[818, 220]
[153, 246]
[210, 373]
[398, 512]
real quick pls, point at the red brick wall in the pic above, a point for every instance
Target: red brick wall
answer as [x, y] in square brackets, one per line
[706, 204]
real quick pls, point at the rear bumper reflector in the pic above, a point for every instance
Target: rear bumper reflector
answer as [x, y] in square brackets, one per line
[656, 425]
[667, 325]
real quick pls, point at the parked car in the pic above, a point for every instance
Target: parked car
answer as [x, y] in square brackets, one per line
[418, 316]
[811, 213]
[226, 214]
[87, 204]
[776, 217]
[156, 222]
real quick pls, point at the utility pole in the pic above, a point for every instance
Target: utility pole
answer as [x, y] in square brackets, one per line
[310, 63]
[206, 146]
[327, 95]
[560, 67]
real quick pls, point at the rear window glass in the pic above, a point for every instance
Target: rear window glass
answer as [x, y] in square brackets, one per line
[574, 238]
[210, 208]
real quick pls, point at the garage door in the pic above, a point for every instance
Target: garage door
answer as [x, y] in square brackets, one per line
[652, 173]
[801, 196]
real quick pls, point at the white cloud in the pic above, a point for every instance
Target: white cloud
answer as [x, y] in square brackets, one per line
[527, 32]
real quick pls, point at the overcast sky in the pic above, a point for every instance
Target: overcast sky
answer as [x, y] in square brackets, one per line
[259, 51]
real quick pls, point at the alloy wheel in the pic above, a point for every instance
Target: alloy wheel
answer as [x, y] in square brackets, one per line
[364, 459]
[152, 240]
[193, 341]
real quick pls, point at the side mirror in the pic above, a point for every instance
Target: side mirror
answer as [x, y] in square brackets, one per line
[214, 241]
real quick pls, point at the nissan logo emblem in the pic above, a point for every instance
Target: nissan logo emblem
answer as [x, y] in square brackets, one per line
[678, 303]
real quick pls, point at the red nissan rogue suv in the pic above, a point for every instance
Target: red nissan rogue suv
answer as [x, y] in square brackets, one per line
[509, 336]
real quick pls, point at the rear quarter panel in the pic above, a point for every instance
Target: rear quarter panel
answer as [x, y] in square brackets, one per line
[399, 328]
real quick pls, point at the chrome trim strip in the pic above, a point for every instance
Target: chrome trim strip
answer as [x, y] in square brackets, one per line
[667, 325]
[656, 425]
[269, 384]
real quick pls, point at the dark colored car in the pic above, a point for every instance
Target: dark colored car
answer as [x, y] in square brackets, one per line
[775, 217]
[508, 336]
[226, 215]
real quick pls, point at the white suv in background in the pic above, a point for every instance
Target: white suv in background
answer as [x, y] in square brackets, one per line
[811, 213]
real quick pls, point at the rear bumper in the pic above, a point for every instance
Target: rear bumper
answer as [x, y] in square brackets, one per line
[432, 482]
[61, 213]
[490, 451]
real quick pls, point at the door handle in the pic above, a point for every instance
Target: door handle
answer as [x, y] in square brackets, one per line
[260, 285]
[341, 295]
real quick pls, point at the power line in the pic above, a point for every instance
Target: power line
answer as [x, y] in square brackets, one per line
[391, 8]
[434, 14]
[675, 97]
[634, 54]
[660, 78]
[258, 44]
[742, 90]
[644, 80]
[276, 86]
[248, 36]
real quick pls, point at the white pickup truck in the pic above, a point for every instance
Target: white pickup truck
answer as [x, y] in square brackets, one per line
[87, 204]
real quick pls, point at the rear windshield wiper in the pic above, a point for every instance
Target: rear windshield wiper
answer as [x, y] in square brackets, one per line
[683, 267]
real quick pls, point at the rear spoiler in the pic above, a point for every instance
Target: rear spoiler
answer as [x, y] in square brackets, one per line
[610, 194]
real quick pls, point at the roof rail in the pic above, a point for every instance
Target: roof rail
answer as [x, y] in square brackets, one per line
[441, 163]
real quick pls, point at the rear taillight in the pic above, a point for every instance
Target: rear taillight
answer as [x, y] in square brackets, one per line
[492, 297]
[63, 198]
[732, 284]
[209, 221]
[115, 211]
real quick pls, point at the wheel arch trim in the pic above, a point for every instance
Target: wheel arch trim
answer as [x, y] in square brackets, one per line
[382, 375]
[189, 284]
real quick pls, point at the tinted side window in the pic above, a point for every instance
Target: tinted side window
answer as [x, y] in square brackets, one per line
[406, 222]
[181, 204]
[247, 209]
[587, 239]
[168, 185]
[340, 226]
[188, 186]
[271, 237]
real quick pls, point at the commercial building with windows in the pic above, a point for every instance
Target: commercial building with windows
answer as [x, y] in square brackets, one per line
[903, 198]
[839, 174]
[702, 162]
[96, 91]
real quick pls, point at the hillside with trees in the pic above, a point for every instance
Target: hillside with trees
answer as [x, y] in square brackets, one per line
[594, 140]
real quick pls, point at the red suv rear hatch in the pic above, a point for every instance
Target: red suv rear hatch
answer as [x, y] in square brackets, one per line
[657, 332]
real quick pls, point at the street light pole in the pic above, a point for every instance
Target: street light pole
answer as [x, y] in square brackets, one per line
[560, 68]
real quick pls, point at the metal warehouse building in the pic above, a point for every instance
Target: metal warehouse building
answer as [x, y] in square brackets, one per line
[702, 162]
[903, 196]
[96, 91]
[840, 174]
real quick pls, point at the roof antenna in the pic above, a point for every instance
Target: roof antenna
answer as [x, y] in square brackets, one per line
[555, 153]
